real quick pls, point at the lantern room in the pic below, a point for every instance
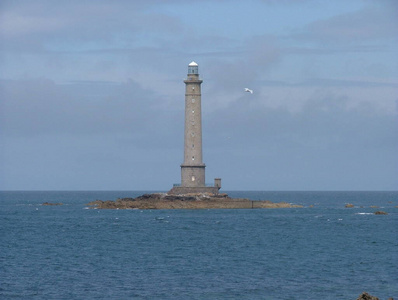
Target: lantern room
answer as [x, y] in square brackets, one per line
[193, 68]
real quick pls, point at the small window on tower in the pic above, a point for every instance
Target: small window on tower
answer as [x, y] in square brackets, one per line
[193, 100]
[192, 134]
[193, 88]
[193, 157]
[193, 146]
[193, 178]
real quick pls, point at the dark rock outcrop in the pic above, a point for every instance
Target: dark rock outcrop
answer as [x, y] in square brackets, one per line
[379, 212]
[366, 296]
[187, 201]
[51, 204]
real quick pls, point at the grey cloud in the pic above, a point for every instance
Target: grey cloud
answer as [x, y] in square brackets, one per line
[44, 25]
[372, 23]
[323, 146]
[257, 56]
[121, 131]
[327, 82]
[262, 51]
[87, 135]
[340, 48]
[41, 107]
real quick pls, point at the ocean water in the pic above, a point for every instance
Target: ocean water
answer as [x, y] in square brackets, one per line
[322, 252]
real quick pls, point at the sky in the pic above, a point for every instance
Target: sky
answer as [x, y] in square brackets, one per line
[92, 93]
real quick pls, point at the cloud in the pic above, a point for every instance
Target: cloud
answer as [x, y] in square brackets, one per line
[87, 135]
[80, 25]
[323, 145]
[93, 92]
[230, 74]
[367, 24]
[41, 107]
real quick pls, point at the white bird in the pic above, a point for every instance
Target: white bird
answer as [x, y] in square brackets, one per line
[249, 90]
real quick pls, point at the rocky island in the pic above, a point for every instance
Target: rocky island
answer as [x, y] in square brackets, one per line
[51, 204]
[187, 201]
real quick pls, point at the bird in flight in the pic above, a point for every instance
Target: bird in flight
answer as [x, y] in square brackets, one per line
[249, 90]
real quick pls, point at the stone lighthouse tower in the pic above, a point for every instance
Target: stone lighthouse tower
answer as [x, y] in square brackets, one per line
[193, 168]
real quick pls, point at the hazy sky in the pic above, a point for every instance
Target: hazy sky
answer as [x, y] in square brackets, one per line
[92, 93]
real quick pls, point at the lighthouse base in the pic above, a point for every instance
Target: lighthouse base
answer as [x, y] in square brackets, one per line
[183, 190]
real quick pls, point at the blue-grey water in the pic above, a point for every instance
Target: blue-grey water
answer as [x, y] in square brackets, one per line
[322, 252]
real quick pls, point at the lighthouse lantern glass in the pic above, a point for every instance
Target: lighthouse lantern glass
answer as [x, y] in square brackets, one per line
[193, 70]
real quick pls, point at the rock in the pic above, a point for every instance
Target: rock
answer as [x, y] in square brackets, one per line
[188, 201]
[51, 204]
[379, 212]
[126, 199]
[374, 206]
[179, 198]
[366, 296]
[222, 195]
[96, 202]
[349, 205]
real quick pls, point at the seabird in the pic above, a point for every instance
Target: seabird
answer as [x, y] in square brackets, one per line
[249, 90]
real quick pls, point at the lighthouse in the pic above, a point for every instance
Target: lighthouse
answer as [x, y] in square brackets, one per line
[193, 168]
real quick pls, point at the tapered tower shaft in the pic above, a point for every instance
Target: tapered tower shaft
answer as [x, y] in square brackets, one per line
[193, 168]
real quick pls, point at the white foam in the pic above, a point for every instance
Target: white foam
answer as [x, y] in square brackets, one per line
[364, 213]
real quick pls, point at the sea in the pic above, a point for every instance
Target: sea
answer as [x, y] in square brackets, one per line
[321, 251]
